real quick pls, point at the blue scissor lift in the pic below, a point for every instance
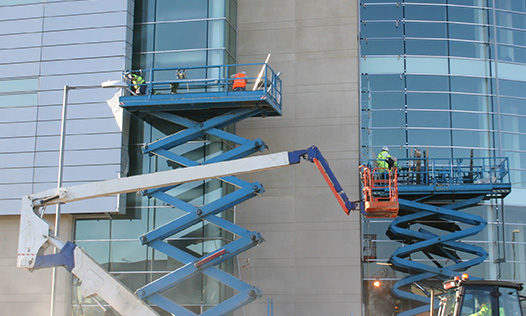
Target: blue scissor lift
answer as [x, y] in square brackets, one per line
[431, 224]
[201, 103]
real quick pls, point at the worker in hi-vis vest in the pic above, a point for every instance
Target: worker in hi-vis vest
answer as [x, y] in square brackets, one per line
[240, 81]
[385, 160]
[138, 82]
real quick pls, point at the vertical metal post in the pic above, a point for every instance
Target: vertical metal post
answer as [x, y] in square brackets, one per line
[59, 184]
[432, 303]
[270, 307]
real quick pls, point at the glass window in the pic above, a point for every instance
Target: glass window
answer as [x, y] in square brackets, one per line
[426, 47]
[513, 141]
[514, 54]
[128, 228]
[18, 100]
[230, 40]
[382, 64]
[382, 83]
[472, 120]
[513, 88]
[387, 136]
[427, 1]
[469, 49]
[217, 9]
[465, 153]
[428, 137]
[231, 12]
[128, 255]
[18, 85]
[382, 47]
[427, 83]
[513, 106]
[387, 119]
[474, 3]
[92, 229]
[143, 38]
[428, 101]
[170, 10]
[99, 250]
[426, 65]
[473, 139]
[469, 32]
[471, 85]
[426, 30]
[471, 102]
[381, 29]
[513, 123]
[216, 34]
[390, 11]
[383, 100]
[469, 15]
[514, 37]
[428, 119]
[425, 12]
[144, 11]
[514, 5]
[181, 59]
[185, 35]
[511, 20]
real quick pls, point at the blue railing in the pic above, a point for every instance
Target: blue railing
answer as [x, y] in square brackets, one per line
[452, 171]
[209, 79]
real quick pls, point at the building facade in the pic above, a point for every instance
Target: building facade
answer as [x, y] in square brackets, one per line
[446, 78]
[310, 262]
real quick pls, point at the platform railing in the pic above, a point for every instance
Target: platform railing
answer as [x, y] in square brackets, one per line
[217, 78]
[452, 171]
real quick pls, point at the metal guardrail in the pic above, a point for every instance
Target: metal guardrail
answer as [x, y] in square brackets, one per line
[210, 79]
[452, 171]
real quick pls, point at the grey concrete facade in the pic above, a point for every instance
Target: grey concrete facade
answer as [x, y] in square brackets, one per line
[310, 262]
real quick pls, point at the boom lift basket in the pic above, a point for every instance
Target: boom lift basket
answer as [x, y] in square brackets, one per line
[380, 192]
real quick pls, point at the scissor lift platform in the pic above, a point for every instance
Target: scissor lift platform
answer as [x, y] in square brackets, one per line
[432, 194]
[207, 91]
[432, 180]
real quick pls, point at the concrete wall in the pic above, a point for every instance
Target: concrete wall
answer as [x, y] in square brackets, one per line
[24, 293]
[310, 262]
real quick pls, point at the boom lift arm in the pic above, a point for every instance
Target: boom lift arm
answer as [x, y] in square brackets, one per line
[35, 233]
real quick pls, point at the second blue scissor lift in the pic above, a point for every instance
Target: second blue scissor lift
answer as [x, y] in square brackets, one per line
[431, 223]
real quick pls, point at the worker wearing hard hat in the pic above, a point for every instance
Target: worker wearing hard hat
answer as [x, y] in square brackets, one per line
[240, 81]
[137, 81]
[385, 160]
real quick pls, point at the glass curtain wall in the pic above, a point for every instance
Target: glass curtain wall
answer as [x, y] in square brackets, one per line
[167, 34]
[447, 77]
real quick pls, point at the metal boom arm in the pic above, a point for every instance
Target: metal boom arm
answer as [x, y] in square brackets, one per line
[35, 233]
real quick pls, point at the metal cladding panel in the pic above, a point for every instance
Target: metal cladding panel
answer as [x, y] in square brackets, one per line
[58, 43]
[20, 26]
[66, 37]
[26, 11]
[22, 55]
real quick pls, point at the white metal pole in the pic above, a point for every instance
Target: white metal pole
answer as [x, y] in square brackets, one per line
[59, 184]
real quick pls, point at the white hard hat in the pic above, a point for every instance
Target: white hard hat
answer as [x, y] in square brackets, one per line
[385, 148]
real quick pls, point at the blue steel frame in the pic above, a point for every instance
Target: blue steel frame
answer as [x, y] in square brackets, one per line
[432, 192]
